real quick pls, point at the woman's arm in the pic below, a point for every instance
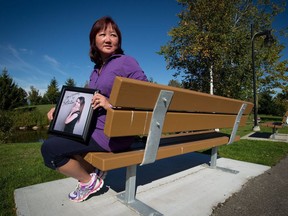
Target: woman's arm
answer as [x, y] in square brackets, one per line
[72, 115]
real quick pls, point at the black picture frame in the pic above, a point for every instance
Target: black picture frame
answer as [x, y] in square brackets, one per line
[80, 129]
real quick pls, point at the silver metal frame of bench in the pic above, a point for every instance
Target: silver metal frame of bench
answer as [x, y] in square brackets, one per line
[152, 144]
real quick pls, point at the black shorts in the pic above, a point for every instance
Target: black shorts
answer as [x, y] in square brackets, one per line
[57, 151]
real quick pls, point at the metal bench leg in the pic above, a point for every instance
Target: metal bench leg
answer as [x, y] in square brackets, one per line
[128, 197]
[214, 160]
[130, 187]
[213, 157]
[274, 132]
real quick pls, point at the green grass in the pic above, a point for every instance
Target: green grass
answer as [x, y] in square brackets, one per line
[21, 164]
[44, 109]
[260, 152]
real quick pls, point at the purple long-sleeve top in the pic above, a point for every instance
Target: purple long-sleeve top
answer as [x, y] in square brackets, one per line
[117, 65]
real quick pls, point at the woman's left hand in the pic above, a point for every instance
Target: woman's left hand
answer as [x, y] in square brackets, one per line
[99, 100]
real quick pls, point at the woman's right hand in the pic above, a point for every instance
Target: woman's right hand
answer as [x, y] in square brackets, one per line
[50, 114]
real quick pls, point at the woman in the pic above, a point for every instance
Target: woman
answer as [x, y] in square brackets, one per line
[74, 115]
[60, 153]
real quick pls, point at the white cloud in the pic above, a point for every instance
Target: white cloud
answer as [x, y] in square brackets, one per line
[22, 69]
[54, 64]
[51, 61]
[28, 68]
[11, 58]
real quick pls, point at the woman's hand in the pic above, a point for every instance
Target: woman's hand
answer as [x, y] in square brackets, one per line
[50, 114]
[99, 100]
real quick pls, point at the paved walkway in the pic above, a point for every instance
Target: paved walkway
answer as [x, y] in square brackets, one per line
[266, 194]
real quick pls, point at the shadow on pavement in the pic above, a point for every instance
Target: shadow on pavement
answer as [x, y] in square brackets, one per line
[264, 135]
[160, 169]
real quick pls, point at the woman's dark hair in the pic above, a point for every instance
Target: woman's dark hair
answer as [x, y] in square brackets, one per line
[82, 103]
[99, 25]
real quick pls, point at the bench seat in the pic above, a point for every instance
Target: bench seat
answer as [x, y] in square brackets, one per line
[169, 146]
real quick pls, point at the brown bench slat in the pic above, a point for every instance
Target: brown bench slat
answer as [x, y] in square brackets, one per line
[126, 123]
[181, 145]
[277, 125]
[139, 94]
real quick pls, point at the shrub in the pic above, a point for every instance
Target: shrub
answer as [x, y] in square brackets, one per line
[28, 118]
[6, 126]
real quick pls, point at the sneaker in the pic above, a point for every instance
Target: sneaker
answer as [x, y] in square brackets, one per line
[101, 174]
[82, 192]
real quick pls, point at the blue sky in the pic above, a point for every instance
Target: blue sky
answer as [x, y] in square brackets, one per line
[42, 39]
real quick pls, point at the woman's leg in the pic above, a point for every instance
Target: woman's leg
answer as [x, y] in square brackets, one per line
[74, 169]
[59, 153]
[87, 166]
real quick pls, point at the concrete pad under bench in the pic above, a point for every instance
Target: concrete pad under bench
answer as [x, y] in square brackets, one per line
[175, 189]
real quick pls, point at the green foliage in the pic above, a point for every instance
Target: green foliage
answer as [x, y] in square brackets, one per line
[70, 82]
[213, 39]
[174, 83]
[272, 106]
[11, 96]
[28, 118]
[52, 94]
[33, 96]
[266, 104]
[6, 126]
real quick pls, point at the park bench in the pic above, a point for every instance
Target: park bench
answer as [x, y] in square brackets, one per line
[176, 121]
[276, 125]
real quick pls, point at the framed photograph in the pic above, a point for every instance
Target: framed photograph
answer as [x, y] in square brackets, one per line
[74, 116]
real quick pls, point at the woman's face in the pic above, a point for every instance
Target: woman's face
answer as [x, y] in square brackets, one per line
[107, 42]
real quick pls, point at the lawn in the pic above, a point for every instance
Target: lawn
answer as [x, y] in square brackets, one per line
[22, 165]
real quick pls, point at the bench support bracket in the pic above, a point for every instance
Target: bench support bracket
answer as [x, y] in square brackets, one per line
[156, 126]
[128, 197]
[231, 140]
[236, 123]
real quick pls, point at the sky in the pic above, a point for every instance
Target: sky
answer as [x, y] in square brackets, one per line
[43, 39]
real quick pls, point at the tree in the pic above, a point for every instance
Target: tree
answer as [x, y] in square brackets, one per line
[212, 45]
[281, 102]
[70, 82]
[11, 96]
[52, 94]
[266, 103]
[174, 83]
[151, 80]
[33, 96]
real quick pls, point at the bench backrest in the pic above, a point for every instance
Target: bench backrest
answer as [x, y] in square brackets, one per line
[188, 110]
